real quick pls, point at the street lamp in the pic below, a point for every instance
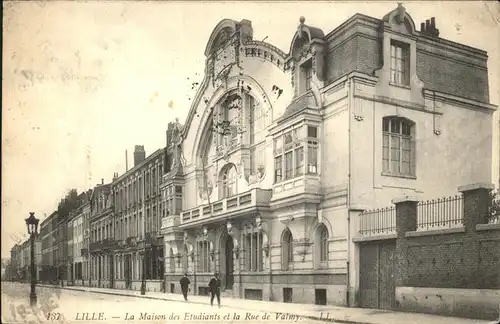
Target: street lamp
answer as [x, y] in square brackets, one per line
[32, 225]
[147, 243]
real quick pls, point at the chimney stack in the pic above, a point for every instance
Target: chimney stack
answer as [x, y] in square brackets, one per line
[139, 154]
[102, 180]
[429, 27]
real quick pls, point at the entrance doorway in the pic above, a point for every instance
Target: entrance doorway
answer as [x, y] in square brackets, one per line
[377, 285]
[229, 263]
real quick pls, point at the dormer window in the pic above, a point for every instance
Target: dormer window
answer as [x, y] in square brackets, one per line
[400, 63]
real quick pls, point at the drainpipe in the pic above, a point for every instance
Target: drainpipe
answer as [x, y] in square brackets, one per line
[348, 263]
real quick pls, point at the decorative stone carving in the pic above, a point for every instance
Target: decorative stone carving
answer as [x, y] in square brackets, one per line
[176, 146]
[400, 17]
[235, 233]
[437, 117]
[358, 109]
[224, 57]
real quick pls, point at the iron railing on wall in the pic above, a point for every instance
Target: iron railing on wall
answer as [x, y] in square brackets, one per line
[494, 208]
[447, 212]
[378, 221]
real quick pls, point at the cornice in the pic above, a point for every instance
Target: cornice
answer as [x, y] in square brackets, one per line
[358, 18]
[270, 52]
[450, 45]
[459, 101]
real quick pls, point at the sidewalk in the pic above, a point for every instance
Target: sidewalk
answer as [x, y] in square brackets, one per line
[315, 312]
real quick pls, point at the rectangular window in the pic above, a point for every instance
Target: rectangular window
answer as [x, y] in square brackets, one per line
[307, 73]
[299, 161]
[400, 63]
[253, 252]
[203, 256]
[288, 165]
[278, 175]
[398, 148]
[295, 146]
[312, 150]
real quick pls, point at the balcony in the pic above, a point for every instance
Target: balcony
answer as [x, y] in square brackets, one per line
[106, 244]
[242, 202]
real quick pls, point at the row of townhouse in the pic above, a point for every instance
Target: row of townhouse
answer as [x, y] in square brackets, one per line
[20, 261]
[279, 155]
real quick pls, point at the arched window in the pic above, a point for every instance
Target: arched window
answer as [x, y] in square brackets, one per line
[259, 119]
[286, 249]
[398, 146]
[322, 237]
[172, 261]
[228, 120]
[228, 181]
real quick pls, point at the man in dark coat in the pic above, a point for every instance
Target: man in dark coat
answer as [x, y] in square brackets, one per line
[185, 286]
[214, 287]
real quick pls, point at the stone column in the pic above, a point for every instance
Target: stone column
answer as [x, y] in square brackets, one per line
[476, 203]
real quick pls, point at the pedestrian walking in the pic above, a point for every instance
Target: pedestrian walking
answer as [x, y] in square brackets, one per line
[185, 285]
[214, 287]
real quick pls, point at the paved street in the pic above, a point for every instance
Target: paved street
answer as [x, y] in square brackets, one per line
[71, 306]
[86, 305]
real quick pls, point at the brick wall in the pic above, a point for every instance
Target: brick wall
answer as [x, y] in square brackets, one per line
[433, 266]
[454, 77]
[358, 53]
[453, 261]
[468, 259]
[442, 65]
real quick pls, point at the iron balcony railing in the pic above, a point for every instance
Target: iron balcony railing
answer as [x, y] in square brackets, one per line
[103, 244]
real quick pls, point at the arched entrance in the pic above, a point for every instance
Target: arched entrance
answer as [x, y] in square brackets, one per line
[229, 262]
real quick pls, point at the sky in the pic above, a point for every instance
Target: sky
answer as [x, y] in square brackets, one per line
[85, 81]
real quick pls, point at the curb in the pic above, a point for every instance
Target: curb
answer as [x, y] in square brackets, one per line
[312, 317]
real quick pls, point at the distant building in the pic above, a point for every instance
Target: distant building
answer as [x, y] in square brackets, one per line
[15, 263]
[137, 221]
[76, 244]
[48, 231]
[101, 236]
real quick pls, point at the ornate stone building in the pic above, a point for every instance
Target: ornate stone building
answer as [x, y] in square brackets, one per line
[280, 151]
[137, 221]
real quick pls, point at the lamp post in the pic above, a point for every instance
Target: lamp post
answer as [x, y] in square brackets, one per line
[32, 225]
[143, 277]
[147, 245]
